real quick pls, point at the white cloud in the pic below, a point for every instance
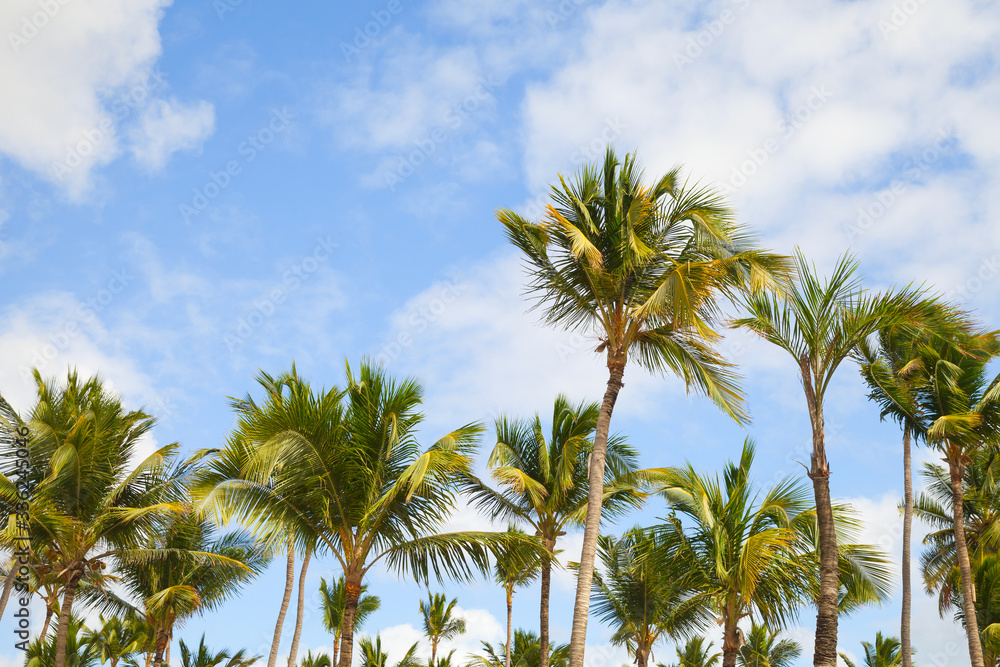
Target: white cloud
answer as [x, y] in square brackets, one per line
[78, 71]
[166, 127]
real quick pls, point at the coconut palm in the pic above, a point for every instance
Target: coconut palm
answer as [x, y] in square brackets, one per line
[318, 660]
[206, 658]
[764, 648]
[186, 569]
[641, 597]
[696, 654]
[372, 654]
[116, 640]
[885, 652]
[440, 623]
[641, 268]
[512, 571]
[525, 652]
[987, 582]
[334, 600]
[543, 483]
[819, 323]
[92, 497]
[42, 651]
[359, 483]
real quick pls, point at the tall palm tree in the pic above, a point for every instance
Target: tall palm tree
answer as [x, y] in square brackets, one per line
[642, 598]
[334, 601]
[115, 640]
[513, 571]
[764, 648]
[372, 654]
[525, 652]
[544, 483]
[641, 268]
[819, 323]
[439, 622]
[91, 498]
[203, 657]
[360, 484]
[696, 654]
[885, 652]
[185, 569]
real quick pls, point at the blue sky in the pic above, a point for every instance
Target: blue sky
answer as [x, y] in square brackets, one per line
[191, 191]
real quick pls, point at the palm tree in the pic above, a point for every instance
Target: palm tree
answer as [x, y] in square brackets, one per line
[372, 654]
[641, 268]
[334, 601]
[205, 658]
[91, 498]
[360, 484]
[819, 324]
[116, 640]
[696, 654]
[513, 571]
[525, 652]
[963, 412]
[764, 648]
[544, 483]
[42, 651]
[439, 623]
[640, 598]
[318, 660]
[885, 652]
[184, 569]
[987, 582]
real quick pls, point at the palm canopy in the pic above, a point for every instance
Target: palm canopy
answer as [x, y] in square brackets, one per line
[440, 621]
[640, 598]
[203, 657]
[525, 652]
[695, 653]
[372, 654]
[333, 597]
[641, 267]
[116, 640]
[885, 652]
[765, 648]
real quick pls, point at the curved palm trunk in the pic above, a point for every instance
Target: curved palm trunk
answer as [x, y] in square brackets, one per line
[434, 650]
[300, 611]
[904, 628]
[352, 589]
[827, 613]
[595, 494]
[543, 608]
[48, 618]
[957, 470]
[62, 632]
[162, 644]
[7, 585]
[289, 584]
[510, 614]
[336, 647]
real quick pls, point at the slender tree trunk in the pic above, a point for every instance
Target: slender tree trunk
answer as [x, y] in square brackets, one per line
[510, 618]
[543, 610]
[434, 651]
[730, 644]
[48, 618]
[352, 588]
[336, 648]
[827, 612]
[62, 632]
[162, 643]
[595, 494]
[7, 585]
[300, 611]
[289, 584]
[170, 640]
[641, 655]
[957, 470]
[904, 627]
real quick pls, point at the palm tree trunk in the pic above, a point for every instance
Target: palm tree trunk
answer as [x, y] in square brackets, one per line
[957, 470]
[161, 646]
[352, 589]
[641, 655]
[434, 650]
[7, 585]
[289, 584]
[595, 494]
[300, 611]
[543, 609]
[336, 647]
[827, 613]
[62, 632]
[510, 615]
[904, 627]
[48, 618]
[730, 644]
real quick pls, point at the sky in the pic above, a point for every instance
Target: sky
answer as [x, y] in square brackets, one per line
[191, 191]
